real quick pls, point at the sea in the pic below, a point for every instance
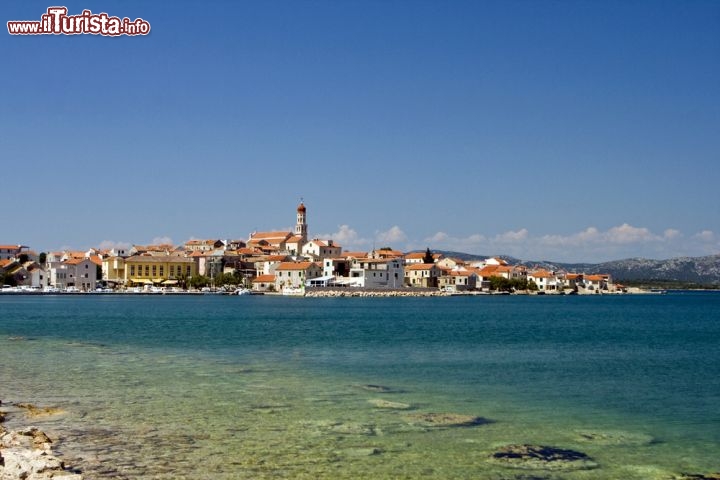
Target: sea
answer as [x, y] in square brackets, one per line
[260, 387]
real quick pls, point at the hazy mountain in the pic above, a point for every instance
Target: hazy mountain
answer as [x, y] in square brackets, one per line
[705, 270]
[681, 269]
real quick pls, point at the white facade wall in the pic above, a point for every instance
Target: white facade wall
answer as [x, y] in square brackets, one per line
[387, 274]
[321, 251]
[295, 278]
[83, 275]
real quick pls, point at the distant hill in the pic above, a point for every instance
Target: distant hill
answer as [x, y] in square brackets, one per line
[702, 270]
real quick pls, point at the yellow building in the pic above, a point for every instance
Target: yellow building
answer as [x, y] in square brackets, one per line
[158, 270]
[113, 269]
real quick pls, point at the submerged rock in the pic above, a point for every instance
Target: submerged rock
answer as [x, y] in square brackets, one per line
[697, 476]
[616, 437]
[353, 428]
[35, 411]
[380, 403]
[342, 428]
[376, 388]
[361, 451]
[525, 477]
[446, 420]
[542, 457]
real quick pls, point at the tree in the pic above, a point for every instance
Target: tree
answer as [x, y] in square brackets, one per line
[23, 258]
[500, 284]
[428, 258]
[503, 284]
[227, 279]
[199, 281]
[42, 258]
[7, 279]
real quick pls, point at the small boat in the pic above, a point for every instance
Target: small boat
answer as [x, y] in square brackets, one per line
[241, 291]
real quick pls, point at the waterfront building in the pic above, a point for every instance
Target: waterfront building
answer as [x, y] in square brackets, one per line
[457, 280]
[264, 283]
[79, 273]
[422, 275]
[546, 281]
[295, 274]
[159, 269]
[375, 273]
[113, 268]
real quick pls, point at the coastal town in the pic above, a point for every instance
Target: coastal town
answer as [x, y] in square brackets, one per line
[281, 262]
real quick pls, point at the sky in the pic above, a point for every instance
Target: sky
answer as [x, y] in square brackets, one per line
[546, 130]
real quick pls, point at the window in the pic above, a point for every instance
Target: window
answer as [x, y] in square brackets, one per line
[147, 270]
[132, 269]
[162, 270]
[154, 270]
[172, 270]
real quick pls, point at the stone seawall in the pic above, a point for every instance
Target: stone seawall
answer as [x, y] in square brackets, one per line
[373, 292]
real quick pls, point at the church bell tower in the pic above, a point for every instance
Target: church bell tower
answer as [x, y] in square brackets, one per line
[301, 225]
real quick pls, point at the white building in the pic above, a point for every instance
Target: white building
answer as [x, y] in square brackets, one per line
[80, 273]
[295, 274]
[545, 281]
[377, 272]
[320, 249]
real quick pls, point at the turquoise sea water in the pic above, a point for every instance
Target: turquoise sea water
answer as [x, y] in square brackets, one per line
[271, 387]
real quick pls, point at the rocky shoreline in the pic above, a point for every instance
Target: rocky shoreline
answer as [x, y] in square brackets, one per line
[27, 453]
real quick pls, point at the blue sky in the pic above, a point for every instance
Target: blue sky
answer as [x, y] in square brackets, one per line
[558, 130]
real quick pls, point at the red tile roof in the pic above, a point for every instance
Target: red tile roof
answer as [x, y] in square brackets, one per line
[267, 235]
[296, 265]
[540, 274]
[264, 279]
[420, 266]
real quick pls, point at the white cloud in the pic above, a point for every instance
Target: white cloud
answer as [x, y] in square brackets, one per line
[346, 237]
[471, 244]
[671, 234]
[590, 244]
[705, 236]
[628, 234]
[162, 241]
[394, 235]
[512, 236]
[110, 244]
[439, 237]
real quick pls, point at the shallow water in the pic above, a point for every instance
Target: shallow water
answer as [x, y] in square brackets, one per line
[269, 387]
